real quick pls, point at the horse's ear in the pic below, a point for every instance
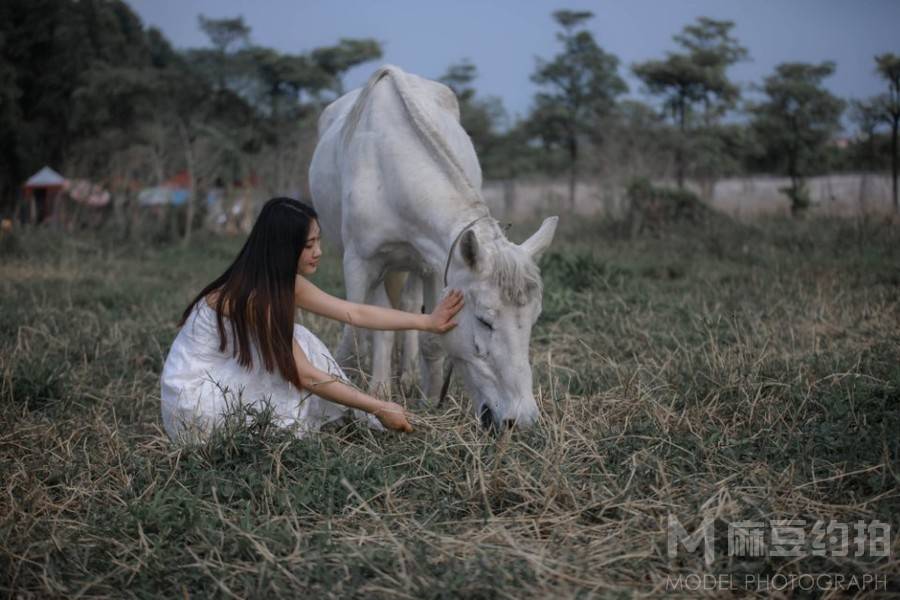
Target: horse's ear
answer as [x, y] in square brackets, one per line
[468, 248]
[540, 239]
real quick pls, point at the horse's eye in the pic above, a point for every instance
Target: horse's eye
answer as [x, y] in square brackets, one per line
[485, 323]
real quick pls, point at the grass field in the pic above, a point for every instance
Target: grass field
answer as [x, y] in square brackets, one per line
[735, 373]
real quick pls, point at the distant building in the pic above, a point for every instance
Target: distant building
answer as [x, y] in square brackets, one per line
[841, 142]
[42, 195]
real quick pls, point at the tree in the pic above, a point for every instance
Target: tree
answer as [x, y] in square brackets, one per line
[695, 83]
[277, 80]
[503, 151]
[261, 117]
[633, 147]
[10, 119]
[580, 86]
[278, 85]
[888, 105]
[227, 36]
[44, 47]
[795, 121]
[480, 117]
[86, 89]
[348, 53]
[459, 77]
[867, 116]
[110, 109]
[207, 109]
[79, 88]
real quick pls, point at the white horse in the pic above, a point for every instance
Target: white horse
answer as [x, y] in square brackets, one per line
[395, 178]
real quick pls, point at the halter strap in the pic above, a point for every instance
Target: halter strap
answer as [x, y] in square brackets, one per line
[453, 245]
[446, 386]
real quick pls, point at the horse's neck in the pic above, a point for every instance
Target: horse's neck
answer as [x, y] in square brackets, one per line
[445, 232]
[446, 178]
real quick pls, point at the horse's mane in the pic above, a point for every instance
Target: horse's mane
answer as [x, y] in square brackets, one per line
[514, 272]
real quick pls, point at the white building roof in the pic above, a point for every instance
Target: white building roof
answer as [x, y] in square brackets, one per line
[46, 177]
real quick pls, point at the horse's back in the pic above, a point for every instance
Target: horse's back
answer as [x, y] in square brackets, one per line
[374, 170]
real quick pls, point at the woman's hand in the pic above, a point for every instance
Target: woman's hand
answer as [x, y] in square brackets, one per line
[393, 416]
[439, 321]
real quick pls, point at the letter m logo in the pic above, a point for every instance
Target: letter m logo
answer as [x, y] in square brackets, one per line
[677, 534]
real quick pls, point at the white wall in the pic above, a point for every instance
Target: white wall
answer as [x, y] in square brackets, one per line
[747, 197]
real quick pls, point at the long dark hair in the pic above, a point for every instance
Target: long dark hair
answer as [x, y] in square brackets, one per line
[258, 288]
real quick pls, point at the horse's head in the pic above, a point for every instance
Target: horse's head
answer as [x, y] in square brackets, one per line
[503, 290]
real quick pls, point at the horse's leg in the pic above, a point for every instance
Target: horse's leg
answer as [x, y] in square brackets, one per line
[404, 289]
[432, 352]
[359, 282]
[382, 349]
[411, 301]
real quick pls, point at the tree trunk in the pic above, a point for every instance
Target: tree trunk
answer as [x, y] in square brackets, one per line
[32, 208]
[171, 213]
[125, 214]
[679, 147]
[795, 172]
[894, 127]
[60, 201]
[799, 194]
[794, 190]
[15, 197]
[573, 172]
[189, 159]
[136, 220]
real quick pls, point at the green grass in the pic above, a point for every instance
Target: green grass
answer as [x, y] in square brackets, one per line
[736, 373]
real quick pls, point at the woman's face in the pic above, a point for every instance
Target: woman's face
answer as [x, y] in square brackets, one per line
[309, 257]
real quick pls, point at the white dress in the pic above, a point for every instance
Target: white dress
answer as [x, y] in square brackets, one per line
[199, 383]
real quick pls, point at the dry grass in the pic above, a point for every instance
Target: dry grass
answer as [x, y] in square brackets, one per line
[741, 373]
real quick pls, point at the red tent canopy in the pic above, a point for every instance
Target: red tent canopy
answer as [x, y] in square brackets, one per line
[180, 180]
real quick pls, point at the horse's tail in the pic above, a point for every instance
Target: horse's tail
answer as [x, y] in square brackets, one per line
[352, 121]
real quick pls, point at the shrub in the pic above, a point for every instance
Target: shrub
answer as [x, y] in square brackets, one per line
[653, 207]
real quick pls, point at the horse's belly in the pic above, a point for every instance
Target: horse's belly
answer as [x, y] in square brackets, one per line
[400, 256]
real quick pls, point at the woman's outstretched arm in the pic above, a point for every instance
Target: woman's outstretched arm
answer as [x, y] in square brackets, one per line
[323, 384]
[311, 298]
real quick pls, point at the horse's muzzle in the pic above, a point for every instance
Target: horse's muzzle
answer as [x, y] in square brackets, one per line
[488, 422]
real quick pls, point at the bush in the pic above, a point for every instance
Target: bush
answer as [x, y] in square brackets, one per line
[799, 196]
[9, 243]
[653, 207]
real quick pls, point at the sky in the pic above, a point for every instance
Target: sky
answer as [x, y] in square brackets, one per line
[504, 38]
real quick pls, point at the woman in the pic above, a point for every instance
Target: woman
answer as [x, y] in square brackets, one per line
[238, 341]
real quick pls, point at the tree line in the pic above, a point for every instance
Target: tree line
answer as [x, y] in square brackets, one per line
[87, 88]
[701, 127]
